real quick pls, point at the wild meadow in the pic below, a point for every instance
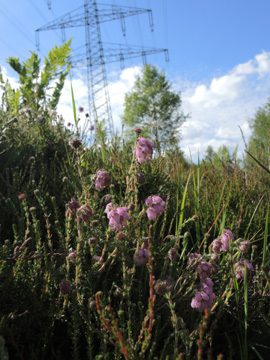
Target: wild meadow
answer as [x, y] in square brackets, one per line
[113, 249]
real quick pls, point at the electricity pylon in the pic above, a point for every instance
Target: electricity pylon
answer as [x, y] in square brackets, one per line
[97, 53]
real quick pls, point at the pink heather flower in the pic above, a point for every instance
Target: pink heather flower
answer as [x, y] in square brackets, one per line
[72, 256]
[84, 212]
[205, 297]
[140, 178]
[21, 196]
[169, 283]
[156, 206]
[73, 206]
[163, 286]
[240, 269]
[138, 130]
[97, 260]
[222, 243]
[118, 216]
[205, 269]
[144, 150]
[202, 301]
[91, 128]
[216, 245]
[102, 180]
[194, 259]
[244, 246]
[228, 233]
[65, 287]
[142, 257]
[80, 109]
[172, 254]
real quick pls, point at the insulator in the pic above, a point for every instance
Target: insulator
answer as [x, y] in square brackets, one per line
[63, 33]
[123, 25]
[37, 40]
[167, 59]
[151, 22]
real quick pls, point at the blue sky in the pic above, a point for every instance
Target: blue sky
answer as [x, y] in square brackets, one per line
[219, 58]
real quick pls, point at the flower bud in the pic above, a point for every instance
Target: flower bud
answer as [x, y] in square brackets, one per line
[92, 241]
[92, 305]
[84, 212]
[244, 246]
[172, 254]
[65, 287]
[75, 143]
[95, 223]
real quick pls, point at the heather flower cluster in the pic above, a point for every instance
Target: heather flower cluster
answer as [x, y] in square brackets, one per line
[163, 286]
[118, 216]
[74, 210]
[73, 206]
[222, 243]
[65, 287]
[102, 180]
[141, 257]
[84, 212]
[240, 269]
[156, 207]
[144, 150]
[205, 297]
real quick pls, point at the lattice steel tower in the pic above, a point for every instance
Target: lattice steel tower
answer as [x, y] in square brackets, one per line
[97, 53]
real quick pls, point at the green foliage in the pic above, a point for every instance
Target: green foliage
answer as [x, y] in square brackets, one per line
[35, 81]
[154, 106]
[209, 154]
[116, 309]
[259, 142]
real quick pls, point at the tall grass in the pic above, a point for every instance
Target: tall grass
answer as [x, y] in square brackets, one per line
[76, 284]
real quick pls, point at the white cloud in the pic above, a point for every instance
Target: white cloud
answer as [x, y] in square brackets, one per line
[219, 107]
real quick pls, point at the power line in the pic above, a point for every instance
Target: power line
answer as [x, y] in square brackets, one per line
[6, 12]
[97, 53]
[41, 14]
[165, 23]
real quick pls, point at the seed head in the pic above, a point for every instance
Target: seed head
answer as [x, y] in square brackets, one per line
[75, 143]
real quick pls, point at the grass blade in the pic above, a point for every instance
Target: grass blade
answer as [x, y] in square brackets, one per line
[252, 217]
[265, 238]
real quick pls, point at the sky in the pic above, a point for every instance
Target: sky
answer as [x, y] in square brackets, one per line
[219, 54]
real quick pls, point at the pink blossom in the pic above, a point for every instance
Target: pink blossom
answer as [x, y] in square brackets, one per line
[194, 258]
[156, 206]
[84, 212]
[118, 216]
[80, 109]
[216, 245]
[91, 128]
[144, 150]
[204, 269]
[73, 206]
[142, 257]
[102, 180]
[65, 287]
[205, 297]
[72, 256]
[172, 254]
[240, 269]
[244, 246]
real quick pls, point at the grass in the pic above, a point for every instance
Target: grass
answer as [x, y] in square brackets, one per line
[111, 307]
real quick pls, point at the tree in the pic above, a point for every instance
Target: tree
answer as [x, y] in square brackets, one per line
[209, 154]
[35, 81]
[153, 106]
[259, 141]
